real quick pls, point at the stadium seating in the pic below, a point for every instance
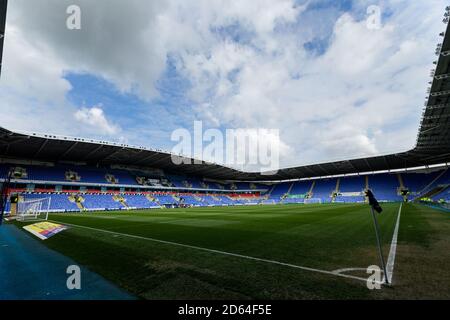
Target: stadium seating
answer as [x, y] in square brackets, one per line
[348, 187]
[385, 186]
[190, 200]
[219, 186]
[58, 202]
[323, 189]
[293, 200]
[301, 187]
[139, 202]
[165, 199]
[177, 181]
[87, 174]
[352, 184]
[438, 185]
[444, 195]
[349, 199]
[242, 186]
[278, 191]
[195, 183]
[225, 200]
[101, 202]
[416, 183]
[45, 173]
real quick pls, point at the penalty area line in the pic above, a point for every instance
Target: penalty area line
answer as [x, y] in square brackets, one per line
[237, 255]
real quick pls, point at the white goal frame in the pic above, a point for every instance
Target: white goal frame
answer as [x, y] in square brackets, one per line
[313, 201]
[36, 209]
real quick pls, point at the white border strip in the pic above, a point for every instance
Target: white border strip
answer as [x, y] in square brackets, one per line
[392, 251]
[333, 273]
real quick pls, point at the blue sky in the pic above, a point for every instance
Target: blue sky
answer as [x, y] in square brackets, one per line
[334, 87]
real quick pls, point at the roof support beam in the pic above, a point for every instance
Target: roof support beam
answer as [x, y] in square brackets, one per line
[68, 150]
[351, 165]
[323, 170]
[219, 169]
[92, 152]
[368, 164]
[163, 160]
[13, 141]
[112, 153]
[387, 164]
[150, 156]
[40, 148]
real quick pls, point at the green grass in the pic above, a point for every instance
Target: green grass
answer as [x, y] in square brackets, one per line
[326, 237]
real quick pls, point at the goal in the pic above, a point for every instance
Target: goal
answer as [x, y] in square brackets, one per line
[36, 209]
[313, 200]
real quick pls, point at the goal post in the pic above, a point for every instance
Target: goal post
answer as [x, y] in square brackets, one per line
[313, 201]
[35, 209]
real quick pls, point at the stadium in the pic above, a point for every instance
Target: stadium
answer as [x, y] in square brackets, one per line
[142, 227]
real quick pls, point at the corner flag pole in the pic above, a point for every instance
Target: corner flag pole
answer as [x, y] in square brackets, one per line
[375, 206]
[380, 251]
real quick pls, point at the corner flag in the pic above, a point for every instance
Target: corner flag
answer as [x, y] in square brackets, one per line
[375, 206]
[373, 202]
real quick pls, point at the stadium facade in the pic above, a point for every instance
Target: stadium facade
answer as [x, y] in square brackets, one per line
[83, 174]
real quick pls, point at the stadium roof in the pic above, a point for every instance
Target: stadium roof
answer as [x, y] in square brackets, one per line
[432, 147]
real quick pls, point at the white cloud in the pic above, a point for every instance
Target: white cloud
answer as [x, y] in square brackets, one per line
[368, 86]
[95, 117]
[32, 87]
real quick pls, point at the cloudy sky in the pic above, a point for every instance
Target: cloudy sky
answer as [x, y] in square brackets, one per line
[139, 69]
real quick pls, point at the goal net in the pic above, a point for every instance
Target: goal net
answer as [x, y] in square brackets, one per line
[313, 200]
[33, 209]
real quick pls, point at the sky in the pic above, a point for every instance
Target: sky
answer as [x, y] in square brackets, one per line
[332, 84]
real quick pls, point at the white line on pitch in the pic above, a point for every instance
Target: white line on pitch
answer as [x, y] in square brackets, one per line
[392, 251]
[218, 252]
[349, 269]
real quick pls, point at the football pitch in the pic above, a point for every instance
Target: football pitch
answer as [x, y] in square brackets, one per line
[262, 252]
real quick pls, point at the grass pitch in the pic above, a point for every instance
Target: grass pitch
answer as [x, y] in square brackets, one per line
[260, 252]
